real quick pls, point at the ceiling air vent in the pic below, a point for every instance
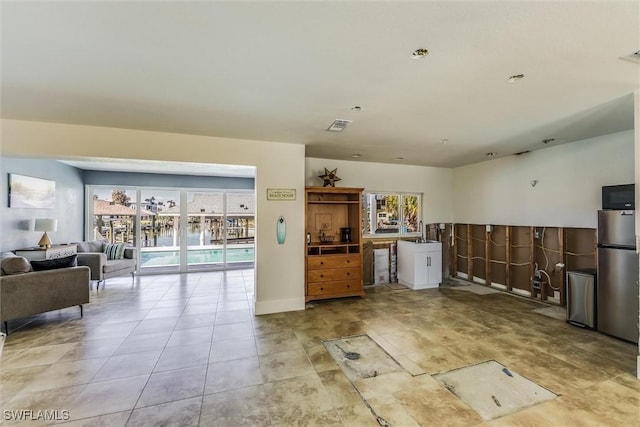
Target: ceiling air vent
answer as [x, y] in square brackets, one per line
[634, 57]
[338, 125]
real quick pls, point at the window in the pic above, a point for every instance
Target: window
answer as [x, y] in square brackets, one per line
[178, 229]
[391, 213]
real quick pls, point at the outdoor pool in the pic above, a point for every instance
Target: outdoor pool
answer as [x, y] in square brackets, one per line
[163, 257]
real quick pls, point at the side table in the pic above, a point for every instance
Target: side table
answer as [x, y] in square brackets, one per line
[37, 253]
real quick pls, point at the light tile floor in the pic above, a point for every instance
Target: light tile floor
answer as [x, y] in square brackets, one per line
[186, 350]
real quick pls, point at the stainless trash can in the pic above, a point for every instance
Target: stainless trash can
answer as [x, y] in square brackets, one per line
[581, 298]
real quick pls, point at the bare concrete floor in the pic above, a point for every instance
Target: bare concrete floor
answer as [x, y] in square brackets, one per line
[186, 350]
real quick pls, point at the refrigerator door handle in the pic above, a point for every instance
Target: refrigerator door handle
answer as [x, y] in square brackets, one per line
[626, 213]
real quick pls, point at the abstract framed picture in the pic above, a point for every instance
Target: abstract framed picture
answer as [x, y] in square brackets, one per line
[29, 192]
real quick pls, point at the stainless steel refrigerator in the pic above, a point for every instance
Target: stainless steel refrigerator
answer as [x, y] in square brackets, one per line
[617, 291]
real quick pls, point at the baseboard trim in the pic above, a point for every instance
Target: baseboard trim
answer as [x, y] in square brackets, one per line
[279, 305]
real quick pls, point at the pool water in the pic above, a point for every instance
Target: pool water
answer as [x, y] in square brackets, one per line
[157, 258]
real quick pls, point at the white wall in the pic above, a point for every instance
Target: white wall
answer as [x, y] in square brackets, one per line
[279, 268]
[568, 192]
[435, 183]
[636, 103]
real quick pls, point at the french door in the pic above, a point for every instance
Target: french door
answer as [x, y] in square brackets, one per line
[176, 230]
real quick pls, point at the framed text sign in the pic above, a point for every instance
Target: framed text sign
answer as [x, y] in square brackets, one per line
[281, 193]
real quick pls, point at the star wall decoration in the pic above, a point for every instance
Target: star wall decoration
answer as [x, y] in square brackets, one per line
[329, 177]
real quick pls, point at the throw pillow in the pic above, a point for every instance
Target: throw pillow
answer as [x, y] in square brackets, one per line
[55, 263]
[91, 246]
[15, 265]
[114, 250]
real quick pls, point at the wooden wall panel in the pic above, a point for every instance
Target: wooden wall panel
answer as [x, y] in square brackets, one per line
[580, 248]
[478, 256]
[521, 258]
[548, 253]
[506, 256]
[461, 248]
[445, 239]
[498, 251]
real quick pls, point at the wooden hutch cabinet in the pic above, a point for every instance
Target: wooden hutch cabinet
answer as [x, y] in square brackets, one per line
[333, 263]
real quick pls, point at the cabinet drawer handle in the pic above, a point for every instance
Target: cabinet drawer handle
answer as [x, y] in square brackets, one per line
[322, 275]
[348, 261]
[348, 286]
[348, 273]
[322, 289]
[321, 262]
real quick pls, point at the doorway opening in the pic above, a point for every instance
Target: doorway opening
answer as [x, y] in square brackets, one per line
[176, 230]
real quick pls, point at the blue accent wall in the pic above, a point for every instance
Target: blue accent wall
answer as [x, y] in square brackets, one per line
[138, 179]
[16, 224]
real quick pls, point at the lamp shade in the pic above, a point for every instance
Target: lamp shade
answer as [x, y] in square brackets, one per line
[46, 224]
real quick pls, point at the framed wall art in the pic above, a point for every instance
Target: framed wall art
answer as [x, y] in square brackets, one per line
[29, 192]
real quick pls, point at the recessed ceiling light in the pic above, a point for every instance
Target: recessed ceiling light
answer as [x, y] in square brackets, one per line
[338, 125]
[491, 154]
[419, 53]
[355, 155]
[548, 140]
[399, 158]
[515, 78]
[356, 108]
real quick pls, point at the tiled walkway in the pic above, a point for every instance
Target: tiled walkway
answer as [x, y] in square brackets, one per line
[186, 350]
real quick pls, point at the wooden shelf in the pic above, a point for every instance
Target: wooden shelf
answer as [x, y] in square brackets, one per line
[331, 202]
[333, 269]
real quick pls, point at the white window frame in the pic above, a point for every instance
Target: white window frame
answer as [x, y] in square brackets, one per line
[367, 219]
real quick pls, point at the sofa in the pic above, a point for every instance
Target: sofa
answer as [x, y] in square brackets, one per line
[92, 254]
[24, 292]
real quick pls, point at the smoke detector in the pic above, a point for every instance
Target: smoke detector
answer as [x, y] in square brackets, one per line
[338, 125]
[634, 57]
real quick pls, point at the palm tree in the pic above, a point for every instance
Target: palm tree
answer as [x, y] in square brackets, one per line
[410, 209]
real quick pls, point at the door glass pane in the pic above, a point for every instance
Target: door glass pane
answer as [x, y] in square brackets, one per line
[114, 215]
[205, 235]
[384, 213]
[241, 227]
[410, 213]
[160, 229]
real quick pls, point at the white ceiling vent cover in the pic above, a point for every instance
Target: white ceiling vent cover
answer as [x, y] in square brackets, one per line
[634, 57]
[338, 125]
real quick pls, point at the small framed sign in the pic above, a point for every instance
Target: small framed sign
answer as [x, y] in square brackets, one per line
[281, 193]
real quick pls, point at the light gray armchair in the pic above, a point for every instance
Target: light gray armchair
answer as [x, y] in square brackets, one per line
[91, 254]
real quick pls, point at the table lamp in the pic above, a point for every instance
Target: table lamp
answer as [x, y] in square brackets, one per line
[45, 224]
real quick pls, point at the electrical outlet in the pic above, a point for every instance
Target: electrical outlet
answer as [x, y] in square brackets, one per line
[536, 234]
[556, 294]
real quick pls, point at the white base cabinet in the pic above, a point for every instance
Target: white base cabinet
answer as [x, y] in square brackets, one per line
[420, 264]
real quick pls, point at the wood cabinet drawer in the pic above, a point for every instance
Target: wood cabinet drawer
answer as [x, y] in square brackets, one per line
[332, 274]
[339, 287]
[334, 261]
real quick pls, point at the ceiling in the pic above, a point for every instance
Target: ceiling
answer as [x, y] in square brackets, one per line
[284, 71]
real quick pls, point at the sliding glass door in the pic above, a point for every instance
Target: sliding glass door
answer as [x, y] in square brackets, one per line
[113, 215]
[240, 228]
[177, 230]
[160, 244]
[205, 237]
